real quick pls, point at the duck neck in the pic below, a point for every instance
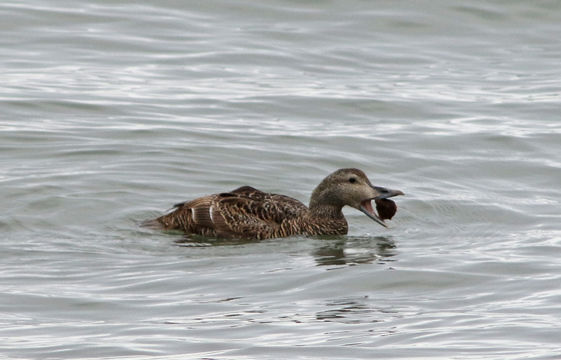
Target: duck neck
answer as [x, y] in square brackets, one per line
[327, 214]
[324, 204]
[326, 211]
[327, 220]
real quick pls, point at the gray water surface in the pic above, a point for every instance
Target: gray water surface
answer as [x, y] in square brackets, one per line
[113, 111]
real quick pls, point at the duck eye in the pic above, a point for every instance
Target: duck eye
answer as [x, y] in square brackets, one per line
[352, 180]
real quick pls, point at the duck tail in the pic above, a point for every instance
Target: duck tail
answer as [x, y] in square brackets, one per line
[154, 224]
[170, 221]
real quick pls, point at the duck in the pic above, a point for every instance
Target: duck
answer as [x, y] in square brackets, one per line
[249, 213]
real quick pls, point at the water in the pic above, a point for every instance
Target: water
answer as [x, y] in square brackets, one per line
[113, 111]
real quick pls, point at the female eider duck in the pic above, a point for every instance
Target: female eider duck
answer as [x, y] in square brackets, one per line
[248, 213]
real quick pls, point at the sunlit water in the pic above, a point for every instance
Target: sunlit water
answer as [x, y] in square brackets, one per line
[113, 111]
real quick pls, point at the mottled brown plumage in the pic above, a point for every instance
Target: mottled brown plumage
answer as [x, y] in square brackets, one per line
[249, 213]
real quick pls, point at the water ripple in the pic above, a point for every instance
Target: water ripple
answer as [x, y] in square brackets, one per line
[112, 112]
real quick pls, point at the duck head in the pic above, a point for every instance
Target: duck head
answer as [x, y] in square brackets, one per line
[351, 187]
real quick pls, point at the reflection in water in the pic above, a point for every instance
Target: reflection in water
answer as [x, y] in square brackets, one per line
[193, 240]
[355, 250]
[332, 250]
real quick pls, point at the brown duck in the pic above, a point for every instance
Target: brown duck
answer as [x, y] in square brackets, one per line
[249, 213]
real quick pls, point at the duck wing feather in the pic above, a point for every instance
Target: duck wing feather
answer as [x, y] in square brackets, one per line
[245, 212]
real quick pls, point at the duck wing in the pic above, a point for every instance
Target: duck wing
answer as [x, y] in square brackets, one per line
[250, 213]
[242, 213]
[266, 206]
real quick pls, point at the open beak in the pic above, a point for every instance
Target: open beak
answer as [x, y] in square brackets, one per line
[383, 193]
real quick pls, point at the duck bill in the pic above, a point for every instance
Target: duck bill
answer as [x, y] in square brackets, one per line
[382, 193]
[366, 208]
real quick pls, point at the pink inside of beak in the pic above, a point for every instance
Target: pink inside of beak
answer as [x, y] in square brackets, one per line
[367, 205]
